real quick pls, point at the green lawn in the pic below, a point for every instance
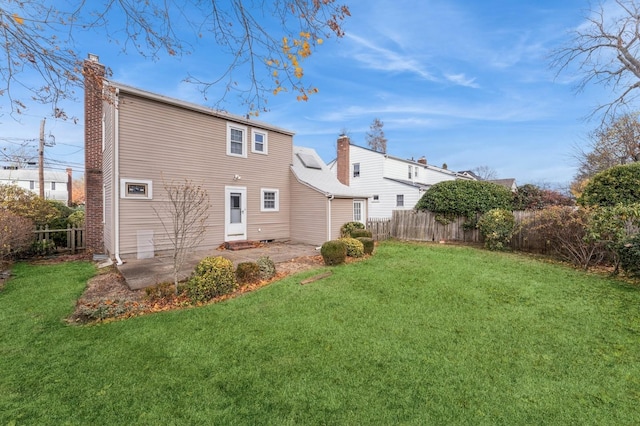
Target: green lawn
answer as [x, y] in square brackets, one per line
[417, 334]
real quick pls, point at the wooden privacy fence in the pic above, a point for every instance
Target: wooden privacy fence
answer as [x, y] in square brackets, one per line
[74, 237]
[380, 228]
[423, 226]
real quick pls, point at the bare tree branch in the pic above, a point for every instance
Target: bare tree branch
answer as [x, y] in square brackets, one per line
[39, 37]
[605, 50]
[183, 217]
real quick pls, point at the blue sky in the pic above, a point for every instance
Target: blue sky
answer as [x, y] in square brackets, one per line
[462, 82]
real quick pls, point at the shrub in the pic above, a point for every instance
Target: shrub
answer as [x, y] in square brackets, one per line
[357, 233]
[566, 231]
[267, 268]
[42, 248]
[248, 272]
[349, 227]
[610, 227]
[367, 243]
[16, 234]
[27, 204]
[160, 291]
[213, 276]
[629, 253]
[334, 252]
[497, 227]
[76, 219]
[617, 185]
[532, 197]
[354, 247]
[465, 198]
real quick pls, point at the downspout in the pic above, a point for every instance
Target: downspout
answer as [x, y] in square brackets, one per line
[115, 182]
[329, 200]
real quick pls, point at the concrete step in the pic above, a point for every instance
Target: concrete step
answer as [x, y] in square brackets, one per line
[240, 245]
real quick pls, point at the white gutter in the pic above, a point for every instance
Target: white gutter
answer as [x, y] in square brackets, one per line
[116, 180]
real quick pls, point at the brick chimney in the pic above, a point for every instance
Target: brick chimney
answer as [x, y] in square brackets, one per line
[422, 160]
[94, 73]
[343, 163]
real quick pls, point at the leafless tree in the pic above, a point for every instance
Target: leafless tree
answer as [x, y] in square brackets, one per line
[375, 136]
[616, 143]
[39, 38]
[183, 216]
[485, 173]
[606, 51]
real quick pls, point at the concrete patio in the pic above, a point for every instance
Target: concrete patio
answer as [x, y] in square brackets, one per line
[141, 273]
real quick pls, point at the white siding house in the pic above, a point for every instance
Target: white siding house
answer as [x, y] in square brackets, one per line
[56, 183]
[394, 183]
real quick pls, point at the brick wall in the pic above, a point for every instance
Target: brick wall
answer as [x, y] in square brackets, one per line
[342, 161]
[93, 73]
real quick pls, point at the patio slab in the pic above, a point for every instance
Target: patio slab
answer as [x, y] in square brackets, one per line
[141, 273]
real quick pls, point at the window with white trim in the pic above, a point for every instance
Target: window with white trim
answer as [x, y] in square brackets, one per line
[400, 200]
[376, 198]
[236, 140]
[53, 186]
[258, 141]
[141, 189]
[269, 200]
[410, 170]
[356, 169]
[32, 185]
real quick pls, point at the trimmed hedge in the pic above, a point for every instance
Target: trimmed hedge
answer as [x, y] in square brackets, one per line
[347, 229]
[617, 185]
[367, 243]
[248, 273]
[354, 247]
[334, 252]
[213, 276]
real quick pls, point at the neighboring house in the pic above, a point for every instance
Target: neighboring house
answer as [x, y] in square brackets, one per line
[508, 183]
[394, 183]
[328, 204]
[57, 184]
[136, 141]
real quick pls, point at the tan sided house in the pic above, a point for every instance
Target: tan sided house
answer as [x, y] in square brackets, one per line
[137, 140]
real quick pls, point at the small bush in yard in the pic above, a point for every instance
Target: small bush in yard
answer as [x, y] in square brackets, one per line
[497, 227]
[629, 253]
[349, 227]
[367, 243]
[357, 233]
[160, 291]
[354, 247]
[213, 276]
[267, 268]
[16, 234]
[248, 272]
[334, 252]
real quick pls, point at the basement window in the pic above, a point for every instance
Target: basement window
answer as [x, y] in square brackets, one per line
[141, 189]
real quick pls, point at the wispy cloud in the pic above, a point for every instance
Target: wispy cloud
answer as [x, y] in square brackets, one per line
[376, 57]
[462, 80]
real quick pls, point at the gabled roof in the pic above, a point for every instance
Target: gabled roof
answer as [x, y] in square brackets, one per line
[509, 183]
[195, 107]
[33, 174]
[412, 162]
[310, 170]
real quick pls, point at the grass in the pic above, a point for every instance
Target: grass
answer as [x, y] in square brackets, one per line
[417, 334]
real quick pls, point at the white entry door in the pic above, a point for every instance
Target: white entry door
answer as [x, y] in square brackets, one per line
[235, 213]
[358, 211]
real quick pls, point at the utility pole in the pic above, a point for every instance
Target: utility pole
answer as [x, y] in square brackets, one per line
[41, 159]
